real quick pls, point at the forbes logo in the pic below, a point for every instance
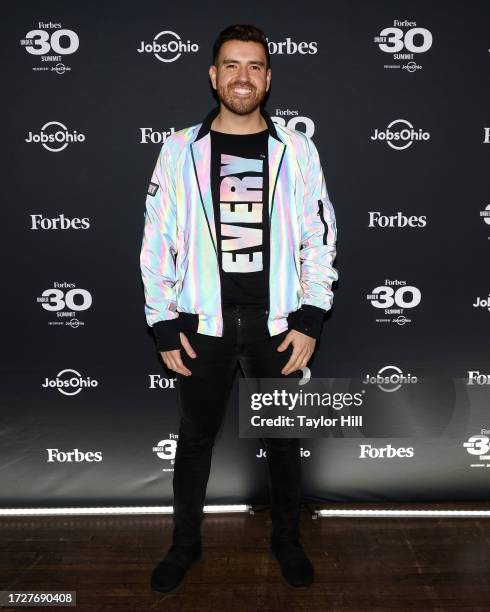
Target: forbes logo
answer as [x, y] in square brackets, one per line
[151, 135]
[385, 452]
[477, 378]
[289, 47]
[156, 381]
[75, 455]
[38, 222]
[376, 219]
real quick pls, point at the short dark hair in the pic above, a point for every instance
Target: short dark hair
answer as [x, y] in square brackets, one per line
[244, 32]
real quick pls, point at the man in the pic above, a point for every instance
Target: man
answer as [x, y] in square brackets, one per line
[236, 262]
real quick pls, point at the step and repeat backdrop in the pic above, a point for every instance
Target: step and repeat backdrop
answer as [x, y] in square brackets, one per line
[396, 98]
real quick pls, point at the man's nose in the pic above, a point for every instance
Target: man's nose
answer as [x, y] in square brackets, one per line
[243, 74]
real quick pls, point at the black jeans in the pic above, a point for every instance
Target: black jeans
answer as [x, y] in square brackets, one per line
[203, 397]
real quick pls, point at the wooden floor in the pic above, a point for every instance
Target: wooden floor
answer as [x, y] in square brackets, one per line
[360, 563]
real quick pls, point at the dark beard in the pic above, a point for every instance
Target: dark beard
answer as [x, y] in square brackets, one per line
[240, 107]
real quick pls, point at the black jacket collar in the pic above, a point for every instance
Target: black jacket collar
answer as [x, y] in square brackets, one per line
[206, 124]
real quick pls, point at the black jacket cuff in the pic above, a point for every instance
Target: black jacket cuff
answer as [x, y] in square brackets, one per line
[167, 335]
[308, 320]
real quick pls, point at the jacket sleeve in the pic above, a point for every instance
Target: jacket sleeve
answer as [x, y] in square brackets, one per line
[158, 254]
[307, 320]
[318, 237]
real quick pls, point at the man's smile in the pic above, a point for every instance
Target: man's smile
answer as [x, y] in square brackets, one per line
[241, 91]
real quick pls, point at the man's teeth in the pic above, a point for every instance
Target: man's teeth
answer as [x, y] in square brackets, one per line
[242, 90]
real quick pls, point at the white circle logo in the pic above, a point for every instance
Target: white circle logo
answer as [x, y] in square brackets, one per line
[306, 376]
[69, 382]
[486, 214]
[400, 137]
[390, 379]
[167, 46]
[54, 136]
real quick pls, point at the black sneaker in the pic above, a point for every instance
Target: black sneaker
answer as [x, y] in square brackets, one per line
[170, 572]
[296, 568]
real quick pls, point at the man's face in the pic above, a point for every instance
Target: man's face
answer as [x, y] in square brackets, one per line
[241, 78]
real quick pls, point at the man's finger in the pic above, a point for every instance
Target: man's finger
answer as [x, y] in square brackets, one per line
[294, 362]
[178, 366]
[174, 362]
[187, 346]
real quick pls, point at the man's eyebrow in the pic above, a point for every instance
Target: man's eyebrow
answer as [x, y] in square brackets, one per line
[232, 61]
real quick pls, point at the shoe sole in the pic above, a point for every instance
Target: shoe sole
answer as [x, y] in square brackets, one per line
[293, 586]
[157, 589]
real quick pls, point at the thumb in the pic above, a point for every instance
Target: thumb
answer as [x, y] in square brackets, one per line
[283, 346]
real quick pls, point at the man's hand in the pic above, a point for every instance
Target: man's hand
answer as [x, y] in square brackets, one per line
[173, 360]
[303, 347]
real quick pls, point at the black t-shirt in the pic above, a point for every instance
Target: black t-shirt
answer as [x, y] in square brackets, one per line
[240, 161]
[240, 188]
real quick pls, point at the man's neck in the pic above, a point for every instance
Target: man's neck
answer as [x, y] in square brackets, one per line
[231, 123]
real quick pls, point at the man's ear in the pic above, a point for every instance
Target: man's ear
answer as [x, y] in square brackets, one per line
[269, 77]
[212, 75]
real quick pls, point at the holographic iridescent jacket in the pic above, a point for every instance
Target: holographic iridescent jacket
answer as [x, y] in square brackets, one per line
[179, 256]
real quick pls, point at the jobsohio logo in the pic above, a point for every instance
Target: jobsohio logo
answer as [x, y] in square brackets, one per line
[400, 134]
